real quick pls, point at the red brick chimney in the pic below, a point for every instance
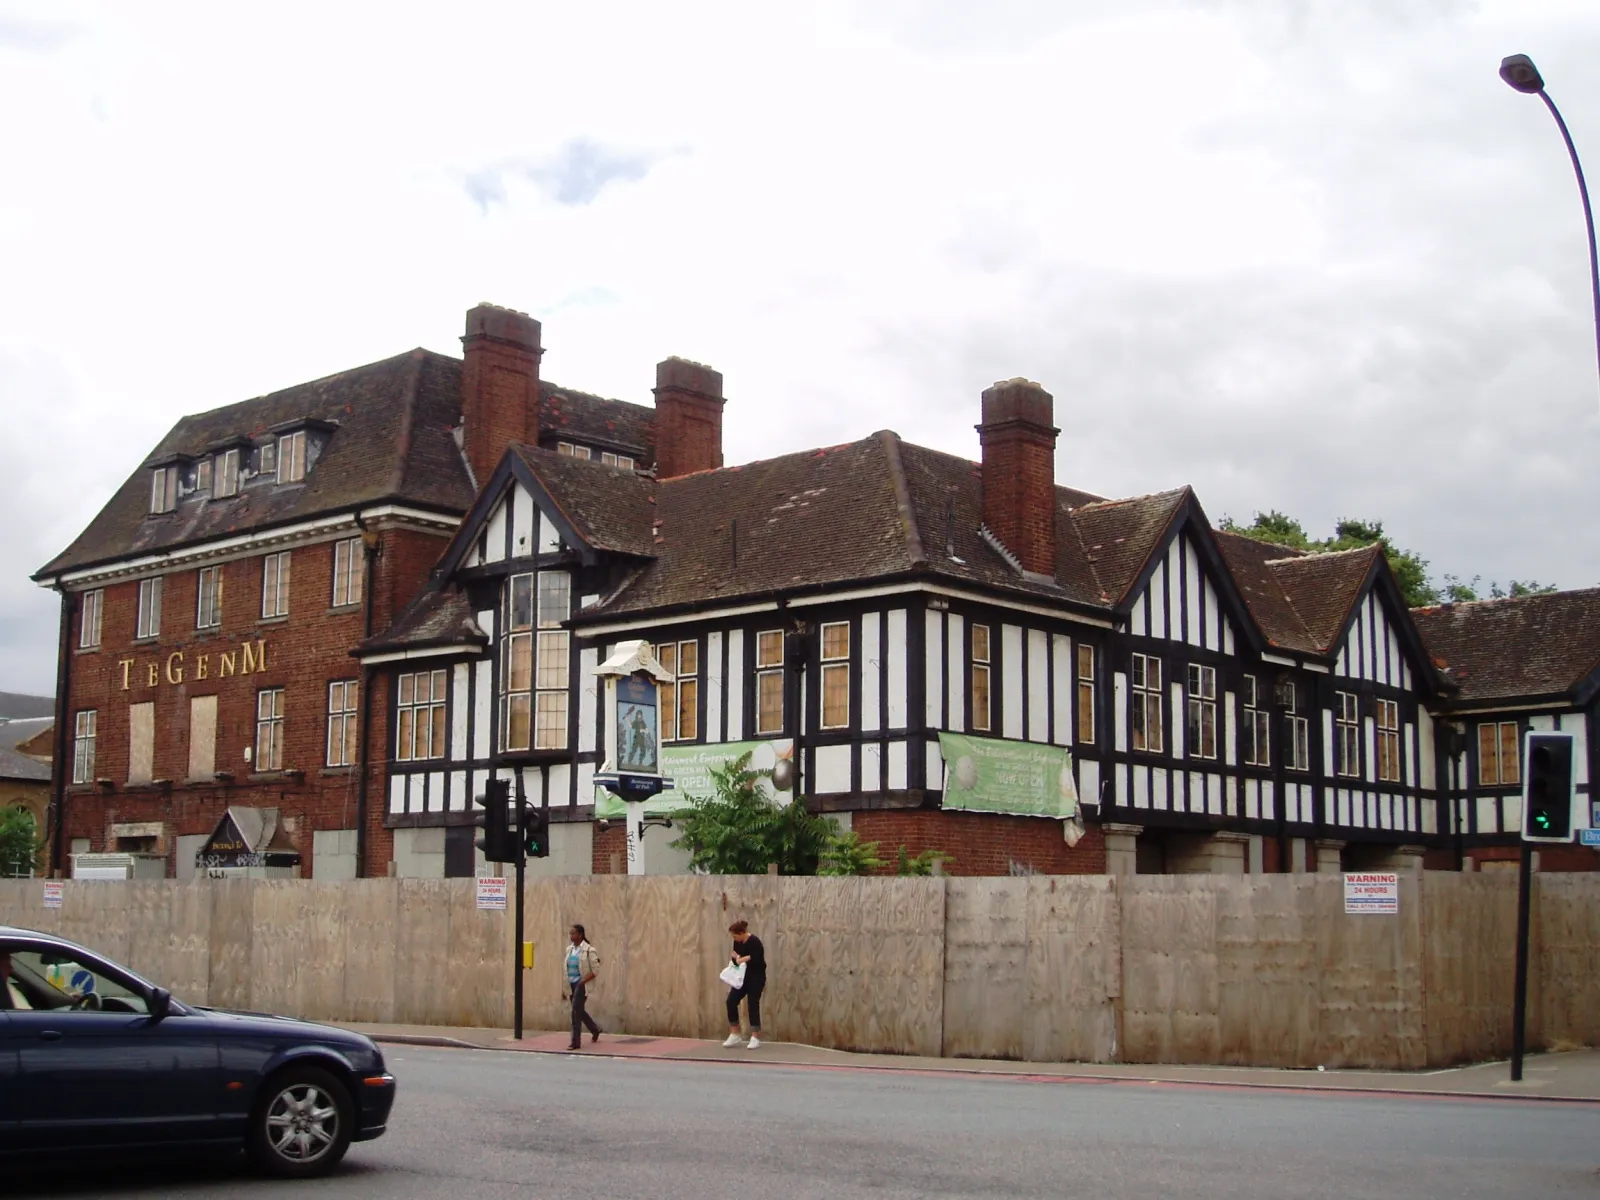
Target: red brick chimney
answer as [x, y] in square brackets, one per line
[499, 385]
[1018, 435]
[688, 426]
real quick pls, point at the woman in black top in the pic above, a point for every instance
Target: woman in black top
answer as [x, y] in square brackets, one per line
[747, 949]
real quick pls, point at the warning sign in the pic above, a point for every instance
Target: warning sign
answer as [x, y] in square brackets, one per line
[1371, 892]
[53, 889]
[492, 892]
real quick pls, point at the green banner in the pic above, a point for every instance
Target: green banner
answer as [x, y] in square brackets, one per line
[690, 767]
[1023, 778]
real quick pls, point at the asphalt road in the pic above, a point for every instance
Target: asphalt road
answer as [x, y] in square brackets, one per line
[475, 1124]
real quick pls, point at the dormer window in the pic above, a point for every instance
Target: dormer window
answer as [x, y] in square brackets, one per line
[227, 473]
[292, 457]
[573, 450]
[269, 459]
[202, 475]
[164, 489]
[616, 460]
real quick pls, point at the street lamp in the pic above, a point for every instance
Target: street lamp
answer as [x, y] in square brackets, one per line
[1520, 73]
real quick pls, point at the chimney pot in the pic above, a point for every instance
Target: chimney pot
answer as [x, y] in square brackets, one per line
[688, 422]
[499, 385]
[1018, 435]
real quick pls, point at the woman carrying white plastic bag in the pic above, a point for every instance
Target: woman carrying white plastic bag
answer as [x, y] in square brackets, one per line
[746, 975]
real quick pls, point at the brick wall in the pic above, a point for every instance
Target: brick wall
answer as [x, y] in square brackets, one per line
[982, 843]
[301, 653]
[613, 839]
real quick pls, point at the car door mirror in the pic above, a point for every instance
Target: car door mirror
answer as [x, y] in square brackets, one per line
[160, 1002]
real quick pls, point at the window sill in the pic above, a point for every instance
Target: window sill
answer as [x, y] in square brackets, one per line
[287, 775]
[87, 650]
[282, 619]
[344, 610]
[333, 771]
[152, 640]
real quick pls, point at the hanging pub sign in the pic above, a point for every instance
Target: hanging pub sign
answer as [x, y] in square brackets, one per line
[638, 726]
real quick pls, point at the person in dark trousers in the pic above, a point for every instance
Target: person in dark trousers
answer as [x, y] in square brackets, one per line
[747, 949]
[583, 960]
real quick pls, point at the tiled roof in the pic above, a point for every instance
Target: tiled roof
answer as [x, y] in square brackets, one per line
[1119, 536]
[1323, 588]
[610, 508]
[438, 617]
[393, 442]
[1520, 647]
[595, 420]
[823, 516]
[13, 763]
[20, 767]
[1251, 563]
[15, 704]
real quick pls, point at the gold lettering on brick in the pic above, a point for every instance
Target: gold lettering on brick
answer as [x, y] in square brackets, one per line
[175, 667]
[153, 674]
[230, 663]
[201, 666]
[255, 658]
[127, 665]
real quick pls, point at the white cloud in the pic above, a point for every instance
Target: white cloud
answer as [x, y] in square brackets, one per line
[1307, 256]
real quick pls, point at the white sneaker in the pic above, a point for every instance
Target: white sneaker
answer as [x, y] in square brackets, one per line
[755, 1043]
[733, 1040]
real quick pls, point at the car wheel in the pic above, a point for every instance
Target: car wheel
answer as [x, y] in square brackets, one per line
[301, 1125]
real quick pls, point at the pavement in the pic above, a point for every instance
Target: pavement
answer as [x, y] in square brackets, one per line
[1571, 1077]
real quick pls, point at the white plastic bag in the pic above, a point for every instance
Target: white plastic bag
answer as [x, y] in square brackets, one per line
[733, 975]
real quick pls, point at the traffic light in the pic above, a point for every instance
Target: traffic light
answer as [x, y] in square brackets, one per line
[1547, 788]
[497, 842]
[536, 833]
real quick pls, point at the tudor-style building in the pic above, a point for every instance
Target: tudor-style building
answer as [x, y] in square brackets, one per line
[865, 611]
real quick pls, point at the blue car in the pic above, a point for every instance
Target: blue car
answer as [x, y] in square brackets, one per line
[94, 1057]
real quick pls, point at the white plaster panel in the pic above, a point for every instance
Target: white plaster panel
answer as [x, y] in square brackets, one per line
[549, 538]
[1119, 696]
[483, 709]
[895, 645]
[588, 698]
[1488, 815]
[1065, 694]
[1141, 787]
[871, 670]
[933, 668]
[585, 784]
[832, 769]
[1038, 686]
[495, 535]
[435, 791]
[524, 523]
[896, 761]
[397, 793]
[739, 681]
[1088, 781]
[935, 767]
[1157, 591]
[1230, 741]
[1193, 627]
[1011, 706]
[1139, 615]
[460, 711]
[1427, 770]
[459, 798]
[1178, 719]
[559, 782]
[712, 669]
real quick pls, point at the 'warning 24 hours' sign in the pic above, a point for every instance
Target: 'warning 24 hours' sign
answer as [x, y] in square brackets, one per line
[1371, 892]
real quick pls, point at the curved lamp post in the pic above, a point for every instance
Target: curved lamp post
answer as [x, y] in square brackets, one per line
[1520, 73]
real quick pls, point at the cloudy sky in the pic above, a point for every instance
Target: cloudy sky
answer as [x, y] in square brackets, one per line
[1309, 255]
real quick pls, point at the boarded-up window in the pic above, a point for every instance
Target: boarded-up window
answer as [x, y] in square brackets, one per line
[836, 675]
[202, 737]
[680, 700]
[980, 678]
[1388, 741]
[1497, 753]
[769, 681]
[141, 742]
[1085, 692]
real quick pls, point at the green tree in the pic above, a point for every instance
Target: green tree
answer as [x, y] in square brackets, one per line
[847, 854]
[19, 843]
[921, 864]
[740, 830]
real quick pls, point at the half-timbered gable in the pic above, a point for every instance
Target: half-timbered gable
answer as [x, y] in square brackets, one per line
[1520, 664]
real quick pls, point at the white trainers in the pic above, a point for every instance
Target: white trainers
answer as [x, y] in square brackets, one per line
[754, 1044]
[733, 1040]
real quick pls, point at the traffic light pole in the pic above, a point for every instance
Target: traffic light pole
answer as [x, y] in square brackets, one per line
[516, 949]
[1519, 1010]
